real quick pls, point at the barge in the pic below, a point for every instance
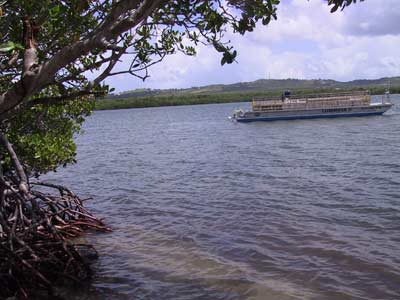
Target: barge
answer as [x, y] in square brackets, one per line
[289, 107]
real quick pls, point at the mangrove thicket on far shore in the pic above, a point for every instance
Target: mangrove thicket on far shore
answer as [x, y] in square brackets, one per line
[189, 98]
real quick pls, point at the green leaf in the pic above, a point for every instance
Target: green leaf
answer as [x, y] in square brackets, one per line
[219, 47]
[334, 9]
[7, 47]
[54, 11]
[223, 60]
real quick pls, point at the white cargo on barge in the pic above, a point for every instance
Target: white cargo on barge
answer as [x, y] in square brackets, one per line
[287, 107]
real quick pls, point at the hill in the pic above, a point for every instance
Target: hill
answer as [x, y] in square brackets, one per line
[262, 85]
[237, 92]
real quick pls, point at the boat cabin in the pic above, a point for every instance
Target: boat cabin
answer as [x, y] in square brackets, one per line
[294, 102]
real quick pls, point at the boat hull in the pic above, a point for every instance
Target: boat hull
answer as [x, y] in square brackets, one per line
[370, 110]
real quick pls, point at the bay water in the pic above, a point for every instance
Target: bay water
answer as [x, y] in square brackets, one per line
[205, 208]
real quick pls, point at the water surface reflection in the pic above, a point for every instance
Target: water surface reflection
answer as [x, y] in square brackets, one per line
[203, 208]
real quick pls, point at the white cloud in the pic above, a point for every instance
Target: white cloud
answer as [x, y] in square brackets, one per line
[373, 18]
[306, 41]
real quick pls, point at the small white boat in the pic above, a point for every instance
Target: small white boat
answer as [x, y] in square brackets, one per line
[288, 107]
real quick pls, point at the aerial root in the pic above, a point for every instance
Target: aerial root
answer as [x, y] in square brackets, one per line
[37, 228]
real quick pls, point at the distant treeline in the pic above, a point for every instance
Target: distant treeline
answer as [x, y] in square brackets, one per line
[261, 85]
[227, 97]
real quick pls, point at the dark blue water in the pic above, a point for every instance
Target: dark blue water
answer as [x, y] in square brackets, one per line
[203, 208]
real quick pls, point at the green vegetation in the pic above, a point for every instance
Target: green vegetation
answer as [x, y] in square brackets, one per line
[48, 142]
[239, 92]
[173, 100]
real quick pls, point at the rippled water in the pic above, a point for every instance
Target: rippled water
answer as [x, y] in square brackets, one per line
[203, 208]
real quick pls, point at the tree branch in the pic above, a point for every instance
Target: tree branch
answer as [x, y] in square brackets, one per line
[13, 59]
[44, 74]
[23, 183]
[115, 56]
[30, 55]
[56, 100]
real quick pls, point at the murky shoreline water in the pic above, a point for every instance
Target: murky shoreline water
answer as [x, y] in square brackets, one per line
[203, 208]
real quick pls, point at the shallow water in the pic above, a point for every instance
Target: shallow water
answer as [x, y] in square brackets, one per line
[203, 208]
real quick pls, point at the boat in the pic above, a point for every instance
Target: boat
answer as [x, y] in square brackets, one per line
[332, 105]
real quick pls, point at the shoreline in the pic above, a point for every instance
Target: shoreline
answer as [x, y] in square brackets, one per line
[214, 98]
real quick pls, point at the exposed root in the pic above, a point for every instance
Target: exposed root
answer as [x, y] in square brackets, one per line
[36, 228]
[35, 235]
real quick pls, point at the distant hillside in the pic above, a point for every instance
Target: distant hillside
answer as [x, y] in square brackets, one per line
[239, 92]
[262, 85]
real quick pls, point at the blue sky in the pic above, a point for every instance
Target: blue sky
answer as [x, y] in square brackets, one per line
[306, 42]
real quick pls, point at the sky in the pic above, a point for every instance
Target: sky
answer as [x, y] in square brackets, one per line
[306, 42]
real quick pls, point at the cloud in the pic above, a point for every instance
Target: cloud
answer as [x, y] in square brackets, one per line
[306, 41]
[373, 18]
